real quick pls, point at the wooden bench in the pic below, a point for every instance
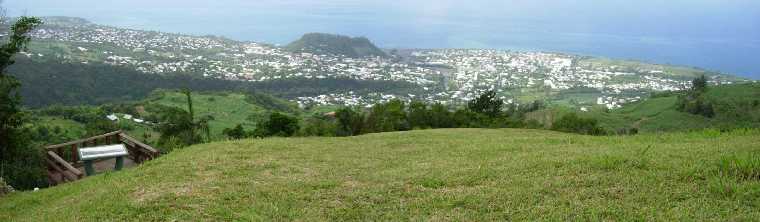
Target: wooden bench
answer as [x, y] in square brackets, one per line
[90, 154]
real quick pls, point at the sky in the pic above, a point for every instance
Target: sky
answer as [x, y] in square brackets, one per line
[721, 35]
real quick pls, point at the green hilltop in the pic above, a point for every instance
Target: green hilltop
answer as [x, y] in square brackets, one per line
[736, 106]
[329, 44]
[448, 174]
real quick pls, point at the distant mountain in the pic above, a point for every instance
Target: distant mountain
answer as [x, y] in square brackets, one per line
[329, 44]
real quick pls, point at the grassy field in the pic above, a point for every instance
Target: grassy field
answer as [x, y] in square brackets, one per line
[228, 109]
[439, 175]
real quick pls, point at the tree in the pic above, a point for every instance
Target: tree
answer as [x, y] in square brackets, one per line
[441, 117]
[486, 104]
[350, 121]
[318, 125]
[387, 117]
[235, 133]
[695, 101]
[419, 116]
[15, 151]
[278, 124]
[180, 128]
[699, 84]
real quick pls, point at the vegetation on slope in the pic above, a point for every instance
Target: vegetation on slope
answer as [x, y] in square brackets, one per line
[734, 106]
[454, 174]
[18, 157]
[48, 83]
[328, 44]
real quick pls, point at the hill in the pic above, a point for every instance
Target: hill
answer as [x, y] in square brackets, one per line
[736, 106]
[48, 82]
[456, 174]
[329, 44]
[66, 123]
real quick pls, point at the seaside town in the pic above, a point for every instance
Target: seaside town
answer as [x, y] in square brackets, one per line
[443, 75]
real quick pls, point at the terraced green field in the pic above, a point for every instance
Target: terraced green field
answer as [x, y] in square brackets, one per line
[438, 175]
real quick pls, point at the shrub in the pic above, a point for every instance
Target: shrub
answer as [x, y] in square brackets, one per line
[235, 133]
[486, 104]
[350, 121]
[696, 104]
[318, 126]
[387, 117]
[744, 167]
[694, 101]
[628, 131]
[5, 188]
[441, 117]
[278, 124]
[419, 116]
[572, 123]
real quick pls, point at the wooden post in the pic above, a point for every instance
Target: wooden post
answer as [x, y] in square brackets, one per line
[59, 151]
[74, 153]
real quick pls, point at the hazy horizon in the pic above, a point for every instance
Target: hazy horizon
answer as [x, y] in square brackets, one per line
[715, 35]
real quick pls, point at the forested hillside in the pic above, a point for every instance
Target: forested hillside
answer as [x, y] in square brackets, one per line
[47, 82]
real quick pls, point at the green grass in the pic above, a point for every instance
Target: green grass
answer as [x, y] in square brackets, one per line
[71, 128]
[736, 106]
[228, 109]
[439, 175]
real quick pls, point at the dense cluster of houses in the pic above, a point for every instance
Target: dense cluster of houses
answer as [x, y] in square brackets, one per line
[444, 75]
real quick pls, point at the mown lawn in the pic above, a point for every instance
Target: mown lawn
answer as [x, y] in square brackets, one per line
[439, 175]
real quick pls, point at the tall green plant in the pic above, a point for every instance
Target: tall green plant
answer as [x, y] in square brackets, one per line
[180, 128]
[13, 147]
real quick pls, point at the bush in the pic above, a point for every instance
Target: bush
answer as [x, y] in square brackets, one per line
[5, 188]
[24, 167]
[278, 124]
[694, 101]
[627, 131]
[486, 104]
[350, 121]
[740, 167]
[441, 117]
[419, 116]
[572, 123]
[695, 104]
[318, 126]
[235, 133]
[387, 117]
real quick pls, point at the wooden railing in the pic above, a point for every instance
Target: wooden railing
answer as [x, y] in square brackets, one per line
[139, 151]
[64, 160]
[67, 172]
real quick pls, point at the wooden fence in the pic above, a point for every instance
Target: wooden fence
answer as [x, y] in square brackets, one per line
[62, 159]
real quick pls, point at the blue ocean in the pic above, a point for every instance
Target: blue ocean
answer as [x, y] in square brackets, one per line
[705, 34]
